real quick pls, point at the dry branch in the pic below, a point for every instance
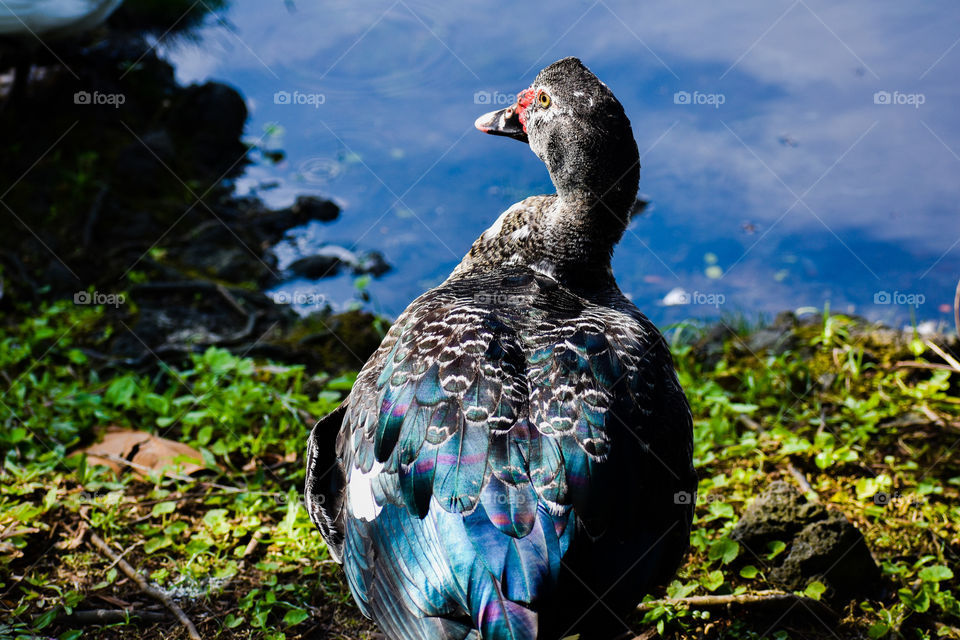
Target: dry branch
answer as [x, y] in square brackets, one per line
[151, 591]
[113, 616]
[756, 599]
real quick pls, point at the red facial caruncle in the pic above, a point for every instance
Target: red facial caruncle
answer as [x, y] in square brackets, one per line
[524, 100]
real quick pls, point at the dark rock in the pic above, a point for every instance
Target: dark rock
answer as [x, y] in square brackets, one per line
[231, 261]
[315, 208]
[209, 119]
[834, 552]
[272, 225]
[142, 165]
[373, 263]
[823, 544]
[328, 261]
[709, 349]
[317, 266]
[778, 513]
[213, 110]
[777, 338]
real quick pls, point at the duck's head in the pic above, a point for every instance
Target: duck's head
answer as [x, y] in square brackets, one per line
[575, 124]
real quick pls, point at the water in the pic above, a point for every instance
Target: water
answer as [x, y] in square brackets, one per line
[795, 153]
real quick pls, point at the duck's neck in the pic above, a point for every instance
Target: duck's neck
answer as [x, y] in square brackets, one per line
[596, 191]
[569, 236]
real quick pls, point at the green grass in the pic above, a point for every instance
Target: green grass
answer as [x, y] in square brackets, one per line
[835, 405]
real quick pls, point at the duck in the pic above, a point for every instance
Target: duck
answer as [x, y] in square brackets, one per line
[27, 24]
[515, 460]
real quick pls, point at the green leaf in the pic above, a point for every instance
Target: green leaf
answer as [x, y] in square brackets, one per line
[204, 435]
[878, 630]
[157, 543]
[232, 621]
[776, 547]
[45, 618]
[293, 506]
[295, 617]
[712, 581]
[121, 391]
[936, 573]
[815, 589]
[214, 517]
[749, 572]
[724, 549]
[162, 508]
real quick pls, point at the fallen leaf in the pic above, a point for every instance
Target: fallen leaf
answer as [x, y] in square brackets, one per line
[144, 452]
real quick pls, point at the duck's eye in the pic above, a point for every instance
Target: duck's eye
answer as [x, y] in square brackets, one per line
[543, 99]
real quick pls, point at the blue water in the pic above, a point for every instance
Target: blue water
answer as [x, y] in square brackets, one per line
[784, 181]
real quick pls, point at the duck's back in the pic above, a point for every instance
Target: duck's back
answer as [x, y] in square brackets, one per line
[507, 457]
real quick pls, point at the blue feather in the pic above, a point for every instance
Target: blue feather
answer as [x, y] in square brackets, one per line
[461, 466]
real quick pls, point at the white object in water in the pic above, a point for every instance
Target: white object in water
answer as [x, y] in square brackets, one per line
[53, 17]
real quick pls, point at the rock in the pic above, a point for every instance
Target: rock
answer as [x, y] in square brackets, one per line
[315, 208]
[317, 266]
[329, 260]
[822, 544]
[832, 551]
[373, 263]
[214, 111]
[207, 121]
[272, 225]
[142, 165]
[777, 338]
[778, 513]
[709, 349]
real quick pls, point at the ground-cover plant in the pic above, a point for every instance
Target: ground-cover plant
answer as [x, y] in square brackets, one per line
[864, 420]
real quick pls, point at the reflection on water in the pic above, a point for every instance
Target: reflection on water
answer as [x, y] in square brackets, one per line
[796, 153]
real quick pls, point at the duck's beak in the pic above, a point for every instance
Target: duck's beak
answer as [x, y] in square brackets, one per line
[505, 122]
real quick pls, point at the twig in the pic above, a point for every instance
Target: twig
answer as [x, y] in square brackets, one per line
[803, 482]
[153, 592]
[247, 552]
[770, 598]
[18, 532]
[252, 545]
[914, 364]
[934, 418]
[943, 354]
[113, 616]
[125, 552]
[749, 422]
[226, 295]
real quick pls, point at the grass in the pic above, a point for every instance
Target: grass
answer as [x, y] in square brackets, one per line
[235, 547]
